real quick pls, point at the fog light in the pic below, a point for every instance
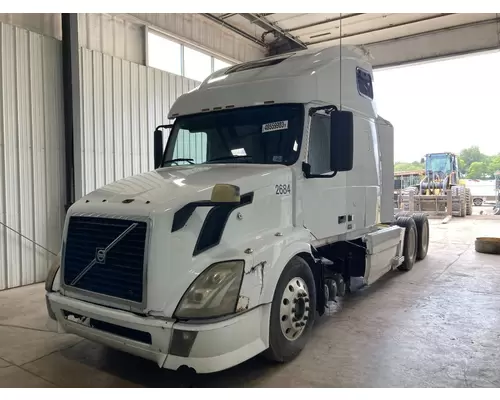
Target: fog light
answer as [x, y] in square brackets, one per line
[182, 342]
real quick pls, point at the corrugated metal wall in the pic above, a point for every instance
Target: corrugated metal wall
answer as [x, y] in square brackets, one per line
[45, 23]
[122, 35]
[196, 29]
[122, 103]
[31, 154]
[112, 35]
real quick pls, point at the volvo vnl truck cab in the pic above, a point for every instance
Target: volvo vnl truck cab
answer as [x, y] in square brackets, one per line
[273, 191]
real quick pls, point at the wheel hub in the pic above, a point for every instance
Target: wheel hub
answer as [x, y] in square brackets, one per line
[294, 310]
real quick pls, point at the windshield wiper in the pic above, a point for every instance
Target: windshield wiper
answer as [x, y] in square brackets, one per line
[228, 158]
[189, 160]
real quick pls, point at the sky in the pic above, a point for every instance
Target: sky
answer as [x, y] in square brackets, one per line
[440, 106]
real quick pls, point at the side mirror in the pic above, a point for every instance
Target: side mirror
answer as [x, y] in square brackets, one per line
[341, 140]
[158, 147]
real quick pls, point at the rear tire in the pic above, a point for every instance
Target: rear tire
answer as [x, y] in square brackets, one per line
[289, 308]
[422, 225]
[409, 242]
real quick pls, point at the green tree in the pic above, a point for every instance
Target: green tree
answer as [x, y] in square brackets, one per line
[478, 170]
[404, 166]
[493, 166]
[461, 166]
[471, 155]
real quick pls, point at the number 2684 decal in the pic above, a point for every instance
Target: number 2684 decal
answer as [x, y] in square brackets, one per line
[282, 189]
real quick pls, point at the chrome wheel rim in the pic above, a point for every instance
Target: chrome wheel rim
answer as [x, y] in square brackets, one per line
[294, 309]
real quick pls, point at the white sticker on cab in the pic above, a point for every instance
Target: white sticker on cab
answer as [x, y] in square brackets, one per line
[275, 126]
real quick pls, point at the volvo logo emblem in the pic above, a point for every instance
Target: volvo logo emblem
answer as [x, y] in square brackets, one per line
[100, 256]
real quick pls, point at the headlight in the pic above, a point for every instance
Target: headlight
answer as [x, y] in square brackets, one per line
[49, 281]
[214, 293]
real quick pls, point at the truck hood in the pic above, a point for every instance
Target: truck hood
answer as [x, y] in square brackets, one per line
[185, 183]
[172, 262]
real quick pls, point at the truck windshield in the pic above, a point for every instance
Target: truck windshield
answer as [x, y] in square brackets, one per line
[258, 135]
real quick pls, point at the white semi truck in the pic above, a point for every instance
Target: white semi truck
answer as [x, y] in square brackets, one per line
[274, 190]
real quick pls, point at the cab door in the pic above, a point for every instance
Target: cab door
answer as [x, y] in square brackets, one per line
[323, 204]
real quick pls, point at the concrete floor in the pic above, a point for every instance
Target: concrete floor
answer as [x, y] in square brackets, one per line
[435, 326]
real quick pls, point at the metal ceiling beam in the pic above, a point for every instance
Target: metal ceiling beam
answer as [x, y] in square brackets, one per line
[234, 29]
[272, 27]
[428, 59]
[228, 15]
[325, 21]
[440, 30]
[398, 25]
[384, 50]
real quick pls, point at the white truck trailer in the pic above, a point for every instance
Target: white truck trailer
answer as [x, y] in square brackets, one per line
[482, 191]
[274, 190]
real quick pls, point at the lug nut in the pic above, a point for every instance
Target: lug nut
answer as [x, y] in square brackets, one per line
[305, 318]
[294, 319]
[302, 324]
[307, 308]
[306, 300]
[297, 325]
[293, 310]
[295, 301]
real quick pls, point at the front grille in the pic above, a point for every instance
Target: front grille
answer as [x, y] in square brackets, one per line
[106, 256]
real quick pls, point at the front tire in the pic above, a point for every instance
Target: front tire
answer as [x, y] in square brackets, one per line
[463, 203]
[292, 312]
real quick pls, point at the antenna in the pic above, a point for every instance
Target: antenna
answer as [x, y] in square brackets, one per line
[340, 74]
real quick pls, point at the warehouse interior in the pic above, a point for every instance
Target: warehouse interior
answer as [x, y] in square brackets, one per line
[82, 94]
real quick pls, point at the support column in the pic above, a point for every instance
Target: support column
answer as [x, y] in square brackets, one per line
[72, 117]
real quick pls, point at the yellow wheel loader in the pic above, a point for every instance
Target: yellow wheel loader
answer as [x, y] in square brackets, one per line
[441, 191]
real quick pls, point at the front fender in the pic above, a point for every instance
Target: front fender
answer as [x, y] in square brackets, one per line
[275, 255]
